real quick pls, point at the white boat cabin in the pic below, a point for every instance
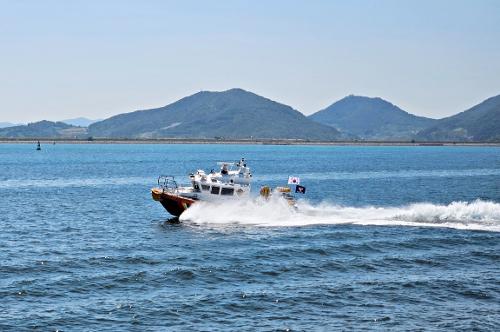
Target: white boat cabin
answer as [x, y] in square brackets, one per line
[231, 180]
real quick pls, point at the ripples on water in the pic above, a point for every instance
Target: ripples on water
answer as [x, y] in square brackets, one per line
[83, 247]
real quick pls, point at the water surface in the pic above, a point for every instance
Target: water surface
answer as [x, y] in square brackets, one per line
[401, 238]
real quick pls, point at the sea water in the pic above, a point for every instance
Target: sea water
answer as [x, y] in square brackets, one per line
[385, 238]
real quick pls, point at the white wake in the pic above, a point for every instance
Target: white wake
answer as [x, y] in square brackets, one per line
[476, 215]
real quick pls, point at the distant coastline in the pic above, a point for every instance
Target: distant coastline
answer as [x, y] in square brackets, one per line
[238, 141]
[241, 116]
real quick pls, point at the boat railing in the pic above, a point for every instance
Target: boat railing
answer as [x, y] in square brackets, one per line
[167, 183]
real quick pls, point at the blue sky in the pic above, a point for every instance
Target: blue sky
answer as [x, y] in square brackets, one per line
[63, 59]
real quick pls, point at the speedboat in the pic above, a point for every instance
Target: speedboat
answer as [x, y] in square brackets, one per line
[232, 181]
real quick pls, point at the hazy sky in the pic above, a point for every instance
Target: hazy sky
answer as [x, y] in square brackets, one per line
[63, 59]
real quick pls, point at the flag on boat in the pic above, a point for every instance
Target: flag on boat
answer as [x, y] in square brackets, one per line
[293, 180]
[300, 189]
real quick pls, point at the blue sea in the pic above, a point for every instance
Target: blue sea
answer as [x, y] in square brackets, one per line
[385, 238]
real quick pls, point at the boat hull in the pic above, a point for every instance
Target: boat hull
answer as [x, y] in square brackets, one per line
[173, 203]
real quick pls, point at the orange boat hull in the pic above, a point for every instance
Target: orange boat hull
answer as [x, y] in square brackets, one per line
[173, 203]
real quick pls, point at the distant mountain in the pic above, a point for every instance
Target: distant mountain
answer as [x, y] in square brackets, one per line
[234, 113]
[371, 119]
[8, 124]
[43, 129]
[479, 123]
[81, 122]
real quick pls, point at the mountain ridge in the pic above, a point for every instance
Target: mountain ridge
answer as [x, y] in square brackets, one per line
[80, 121]
[44, 129]
[8, 124]
[371, 118]
[481, 122]
[240, 114]
[234, 113]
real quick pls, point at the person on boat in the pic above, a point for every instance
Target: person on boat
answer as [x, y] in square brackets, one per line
[241, 163]
[224, 170]
[265, 191]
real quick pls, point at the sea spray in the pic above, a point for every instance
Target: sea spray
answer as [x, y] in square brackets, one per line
[478, 212]
[476, 215]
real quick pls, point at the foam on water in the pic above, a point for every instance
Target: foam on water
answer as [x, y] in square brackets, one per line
[84, 246]
[476, 215]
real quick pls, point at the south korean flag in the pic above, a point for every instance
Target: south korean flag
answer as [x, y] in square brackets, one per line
[293, 180]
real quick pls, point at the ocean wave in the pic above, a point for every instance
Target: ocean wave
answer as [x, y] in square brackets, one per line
[120, 181]
[388, 174]
[73, 182]
[476, 215]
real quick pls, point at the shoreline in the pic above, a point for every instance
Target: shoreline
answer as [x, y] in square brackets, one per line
[239, 141]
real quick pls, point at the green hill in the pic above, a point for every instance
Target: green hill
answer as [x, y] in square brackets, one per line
[44, 129]
[371, 119]
[234, 113]
[480, 123]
